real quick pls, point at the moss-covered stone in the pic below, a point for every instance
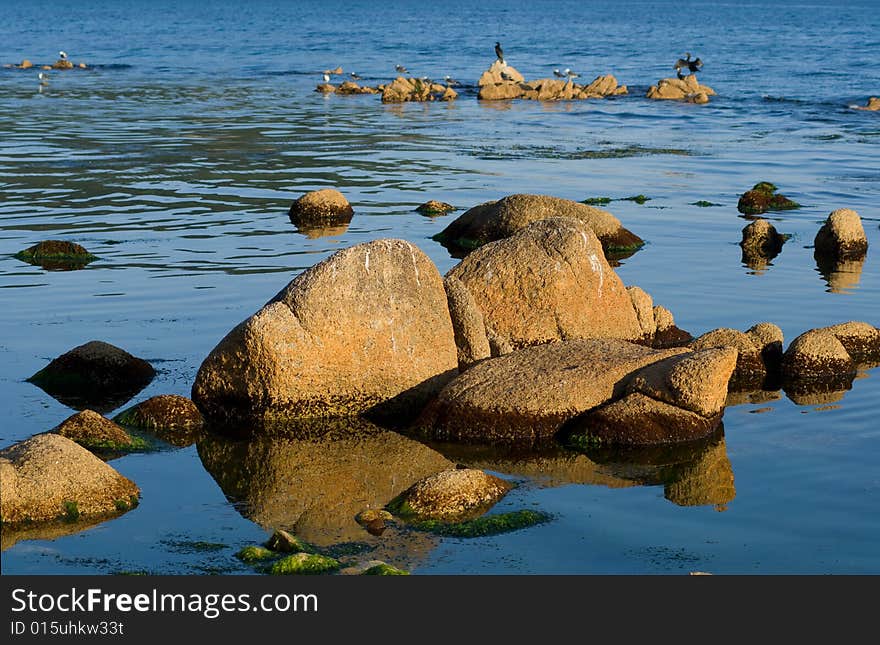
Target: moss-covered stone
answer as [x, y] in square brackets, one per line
[485, 526]
[385, 570]
[704, 204]
[638, 199]
[304, 564]
[56, 254]
[71, 511]
[596, 201]
[762, 198]
[250, 554]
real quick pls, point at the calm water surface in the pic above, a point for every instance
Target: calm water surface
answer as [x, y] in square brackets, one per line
[175, 157]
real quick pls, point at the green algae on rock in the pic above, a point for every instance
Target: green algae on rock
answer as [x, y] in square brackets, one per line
[384, 570]
[433, 207]
[250, 554]
[762, 198]
[304, 564]
[485, 526]
[284, 542]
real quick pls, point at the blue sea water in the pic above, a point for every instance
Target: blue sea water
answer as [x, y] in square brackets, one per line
[175, 156]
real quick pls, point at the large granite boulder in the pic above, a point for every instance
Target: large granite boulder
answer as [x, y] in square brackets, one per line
[841, 236]
[831, 354]
[49, 477]
[499, 219]
[526, 396]
[549, 281]
[320, 209]
[366, 330]
[95, 375]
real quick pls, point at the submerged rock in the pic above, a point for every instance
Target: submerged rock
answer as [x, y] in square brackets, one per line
[432, 208]
[50, 477]
[842, 236]
[55, 255]
[547, 282]
[97, 433]
[687, 89]
[319, 209]
[499, 219]
[95, 375]
[762, 198]
[366, 330]
[526, 396]
[450, 495]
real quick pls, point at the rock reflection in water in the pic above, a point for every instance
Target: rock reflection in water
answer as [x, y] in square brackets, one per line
[10, 535]
[314, 484]
[693, 474]
[323, 231]
[841, 275]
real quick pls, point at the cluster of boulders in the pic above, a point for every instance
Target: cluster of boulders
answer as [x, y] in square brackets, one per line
[503, 82]
[346, 88]
[61, 63]
[687, 89]
[403, 90]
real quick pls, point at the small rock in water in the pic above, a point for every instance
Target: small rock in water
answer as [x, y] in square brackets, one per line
[96, 432]
[56, 255]
[452, 494]
[433, 208]
[325, 207]
[842, 236]
[762, 198]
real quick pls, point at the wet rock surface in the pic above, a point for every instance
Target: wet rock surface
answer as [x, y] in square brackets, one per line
[97, 433]
[762, 198]
[842, 236]
[687, 89]
[320, 209]
[455, 494]
[56, 255]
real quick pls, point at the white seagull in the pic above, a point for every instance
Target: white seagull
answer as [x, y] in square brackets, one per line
[558, 74]
[570, 73]
[44, 78]
[450, 80]
[326, 77]
[401, 69]
[62, 55]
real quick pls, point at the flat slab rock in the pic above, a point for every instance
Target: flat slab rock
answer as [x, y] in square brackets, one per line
[527, 395]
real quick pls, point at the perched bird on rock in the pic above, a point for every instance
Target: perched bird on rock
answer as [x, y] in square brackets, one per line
[558, 74]
[401, 69]
[450, 80]
[692, 65]
[326, 77]
[571, 74]
[62, 55]
[499, 53]
[505, 76]
[355, 76]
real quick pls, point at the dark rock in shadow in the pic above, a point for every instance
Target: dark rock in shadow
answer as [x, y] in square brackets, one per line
[96, 375]
[56, 255]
